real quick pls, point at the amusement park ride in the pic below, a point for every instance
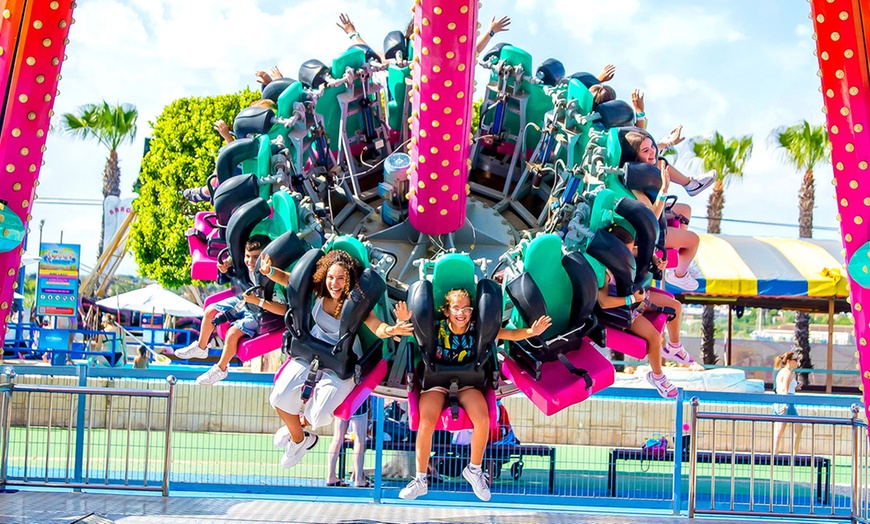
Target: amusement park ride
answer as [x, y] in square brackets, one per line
[517, 213]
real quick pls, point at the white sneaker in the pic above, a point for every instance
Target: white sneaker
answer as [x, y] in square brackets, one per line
[296, 450]
[415, 488]
[479, 482]
[695, 186]
[281, 438]
[686, 282]
[694, 270]
[214, 374]
[191, 351]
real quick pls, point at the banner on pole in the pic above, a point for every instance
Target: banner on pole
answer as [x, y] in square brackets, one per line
[57, 283]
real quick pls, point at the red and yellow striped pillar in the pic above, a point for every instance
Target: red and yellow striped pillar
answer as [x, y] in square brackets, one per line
[33, 36]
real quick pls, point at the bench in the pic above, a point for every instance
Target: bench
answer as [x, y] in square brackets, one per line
[822, 465]
[495, 453]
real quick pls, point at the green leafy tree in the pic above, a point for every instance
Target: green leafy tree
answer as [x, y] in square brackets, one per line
[475, 114]
[182, 154]
[803, 146]
[725, 158]
[111, 126]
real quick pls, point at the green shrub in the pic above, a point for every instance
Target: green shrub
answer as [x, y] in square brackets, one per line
[183, 150]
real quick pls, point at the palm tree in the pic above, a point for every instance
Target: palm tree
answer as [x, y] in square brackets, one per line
[110, 126]
[803, 146]
[725, 158]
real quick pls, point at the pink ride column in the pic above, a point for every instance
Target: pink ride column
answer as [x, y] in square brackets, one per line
[441, 101]
[33, 36]
[841, 43]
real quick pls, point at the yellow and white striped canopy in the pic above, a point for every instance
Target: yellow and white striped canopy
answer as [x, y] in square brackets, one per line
[766, 266]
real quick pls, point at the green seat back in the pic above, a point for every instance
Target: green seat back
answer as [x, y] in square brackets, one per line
[543, 261]
[328, 106]
[264, 227]
[396, 84]
[613, 150]
[291, 95]
[599, 269]
[352, 246]
[579, 92]
[452, 271]
[285, 215]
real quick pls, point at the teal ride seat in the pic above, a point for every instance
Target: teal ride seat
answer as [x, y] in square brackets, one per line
[397, 88]
[560, 367]
[453, 271]
[329, 107]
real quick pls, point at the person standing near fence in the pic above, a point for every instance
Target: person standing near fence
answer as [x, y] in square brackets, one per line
[358, 424]
[785, 383]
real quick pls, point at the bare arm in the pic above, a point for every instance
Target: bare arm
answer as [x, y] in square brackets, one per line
[495, 26]
[275, 275]
[384, 330]
[538, 326]
[608, 302]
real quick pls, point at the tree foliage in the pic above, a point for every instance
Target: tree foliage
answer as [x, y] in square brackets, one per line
[182, 154]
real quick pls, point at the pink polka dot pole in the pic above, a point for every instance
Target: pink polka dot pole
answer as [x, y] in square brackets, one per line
[28, 75]
[839, 34]
[441, 100]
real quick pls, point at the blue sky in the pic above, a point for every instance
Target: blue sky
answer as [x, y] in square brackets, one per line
[739, 67]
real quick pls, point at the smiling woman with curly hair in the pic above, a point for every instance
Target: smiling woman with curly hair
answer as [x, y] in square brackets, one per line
[336, 274]
[321, 277]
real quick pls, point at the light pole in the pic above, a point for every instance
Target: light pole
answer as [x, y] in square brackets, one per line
[41, 225]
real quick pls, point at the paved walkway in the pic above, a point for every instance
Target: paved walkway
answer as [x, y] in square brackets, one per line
[34, 507]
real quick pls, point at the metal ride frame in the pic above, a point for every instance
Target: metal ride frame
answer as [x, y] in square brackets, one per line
[33, 37]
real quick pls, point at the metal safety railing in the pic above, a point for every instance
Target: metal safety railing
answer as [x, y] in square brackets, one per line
[591, 454]
[86, 437]
[742, 471]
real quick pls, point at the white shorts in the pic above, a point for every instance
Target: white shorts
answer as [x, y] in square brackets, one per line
[329, 393]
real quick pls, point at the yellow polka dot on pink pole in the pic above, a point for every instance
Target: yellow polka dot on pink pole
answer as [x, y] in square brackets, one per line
[441, 101]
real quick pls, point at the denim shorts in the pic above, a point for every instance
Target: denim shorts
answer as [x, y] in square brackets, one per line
[785, 410]
[246, 322]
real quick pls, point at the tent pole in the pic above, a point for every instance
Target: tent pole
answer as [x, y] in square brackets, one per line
[829, 378]
[728, 342]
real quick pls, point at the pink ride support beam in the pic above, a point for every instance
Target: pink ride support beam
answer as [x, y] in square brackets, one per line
[30, 71]
[841, 36]
[441, 100]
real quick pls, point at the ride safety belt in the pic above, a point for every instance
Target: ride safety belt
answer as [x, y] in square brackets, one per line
[311, 379]
[453, 398]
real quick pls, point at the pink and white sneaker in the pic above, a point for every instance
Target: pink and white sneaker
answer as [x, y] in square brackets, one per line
[662, 385]
[677, 353]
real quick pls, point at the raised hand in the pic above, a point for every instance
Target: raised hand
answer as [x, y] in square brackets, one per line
[274, 72]
[345, 24]
[401, 311]
[263, 77]
[223, 130]
[637, 100]
[674, 138]
[497, 26]
[541, 325]
[265, 264]
[607, 73]
[665, 174]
